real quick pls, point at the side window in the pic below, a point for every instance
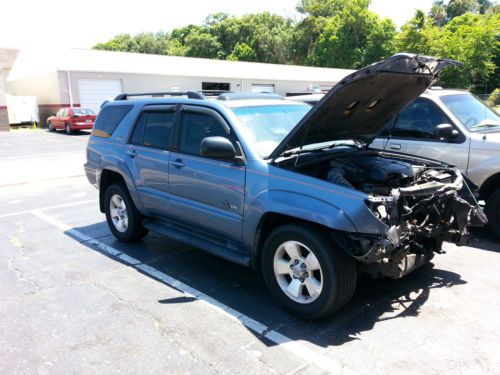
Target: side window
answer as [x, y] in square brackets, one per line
[154, 129]
[59, 113]
[195, 127]
[419, 120]
[108, 119]
[64, 113]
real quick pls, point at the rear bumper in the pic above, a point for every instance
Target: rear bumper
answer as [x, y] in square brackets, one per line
[81, 125]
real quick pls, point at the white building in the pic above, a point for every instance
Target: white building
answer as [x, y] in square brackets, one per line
[7, 58]
[77, 77]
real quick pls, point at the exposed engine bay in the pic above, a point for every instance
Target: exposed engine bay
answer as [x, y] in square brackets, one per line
[421, 202]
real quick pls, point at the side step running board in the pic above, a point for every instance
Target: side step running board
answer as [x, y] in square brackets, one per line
[219, 249]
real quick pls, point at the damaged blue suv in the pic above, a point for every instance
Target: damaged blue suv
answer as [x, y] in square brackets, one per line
[282, 187]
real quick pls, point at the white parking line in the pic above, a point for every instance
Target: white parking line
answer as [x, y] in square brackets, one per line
[37, 156]
[48, 208]
[297, 348]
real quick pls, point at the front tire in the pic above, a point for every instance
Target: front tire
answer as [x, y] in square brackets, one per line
[68, 130]
[305, 272]
[124, 221]
[492, 211]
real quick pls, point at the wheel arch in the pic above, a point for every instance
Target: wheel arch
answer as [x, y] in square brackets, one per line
[272, 220]
[108, 177]
[490, 185]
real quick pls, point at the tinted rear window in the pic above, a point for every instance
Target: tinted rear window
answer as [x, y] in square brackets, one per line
[83, 112]
[108, 119]
[154, 129]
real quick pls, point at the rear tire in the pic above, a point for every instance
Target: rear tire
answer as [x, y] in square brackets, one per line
[124, 221]
[305, 272]
[51, 127]
[492, 211]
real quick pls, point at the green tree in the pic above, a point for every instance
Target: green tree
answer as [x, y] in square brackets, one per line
[242, 52]
[202, 44]
[484, 6]
[456, 8]
[329, 8]
[121, 42]
[438, 13]
[259, 37]
[303, 39]
[150, 43]
[471, 38]
[442, 12]
[417, 34]
[142, 43]
[352, 38]
[344, 34]
[176, 48]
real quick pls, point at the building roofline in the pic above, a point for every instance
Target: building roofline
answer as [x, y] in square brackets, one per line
[94, 61]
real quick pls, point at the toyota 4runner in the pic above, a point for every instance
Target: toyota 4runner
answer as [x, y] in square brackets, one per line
[281, 187]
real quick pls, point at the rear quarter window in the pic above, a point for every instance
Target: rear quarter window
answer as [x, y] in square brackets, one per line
[108, 120]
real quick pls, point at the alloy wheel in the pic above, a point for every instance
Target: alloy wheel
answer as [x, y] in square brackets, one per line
[118, 213]
[298, 272]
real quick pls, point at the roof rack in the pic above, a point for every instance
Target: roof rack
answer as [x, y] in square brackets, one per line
[248, 95]
[214, 92]
[189, 94]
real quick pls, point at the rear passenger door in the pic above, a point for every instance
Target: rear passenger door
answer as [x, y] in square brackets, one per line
[147, 156]
[207, 195]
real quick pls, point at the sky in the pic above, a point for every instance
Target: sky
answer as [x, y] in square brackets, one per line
[82, 24]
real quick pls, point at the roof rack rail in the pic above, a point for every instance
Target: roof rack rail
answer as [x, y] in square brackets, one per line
[248, 95]
[189, 94]
[215, 92]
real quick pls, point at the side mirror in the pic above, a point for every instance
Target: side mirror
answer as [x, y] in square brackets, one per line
[217, 148]
[445, 131]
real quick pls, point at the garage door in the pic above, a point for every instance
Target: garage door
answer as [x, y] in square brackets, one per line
[94, 91]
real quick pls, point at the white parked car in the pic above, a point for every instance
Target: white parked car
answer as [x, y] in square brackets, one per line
[456, 127]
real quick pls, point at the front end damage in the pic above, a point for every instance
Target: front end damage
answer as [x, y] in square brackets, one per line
[436, 206]
[421, 203]
[418, 203]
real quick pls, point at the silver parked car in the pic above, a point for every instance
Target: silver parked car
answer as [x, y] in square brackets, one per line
[452, 126]
[456, 127]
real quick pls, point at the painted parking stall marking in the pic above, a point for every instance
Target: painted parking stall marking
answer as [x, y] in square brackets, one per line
[296, 348]
[48, 208]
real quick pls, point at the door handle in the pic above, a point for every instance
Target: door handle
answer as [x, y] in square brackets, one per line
[132, 153]
[395, 146]
[178, 163]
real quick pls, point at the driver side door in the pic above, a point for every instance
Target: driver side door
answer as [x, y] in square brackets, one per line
[207, 195]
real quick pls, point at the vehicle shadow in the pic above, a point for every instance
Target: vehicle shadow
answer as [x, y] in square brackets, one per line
[482, 239]
[243, 290]
[75, 133]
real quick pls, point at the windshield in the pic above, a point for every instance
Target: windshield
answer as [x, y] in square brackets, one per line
[472, 112]
[83, 112]
[266, 126]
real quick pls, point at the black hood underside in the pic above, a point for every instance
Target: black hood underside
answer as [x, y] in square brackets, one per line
[361, 104]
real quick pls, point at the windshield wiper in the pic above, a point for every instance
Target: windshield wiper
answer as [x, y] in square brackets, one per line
[298, 151]
[484, 125]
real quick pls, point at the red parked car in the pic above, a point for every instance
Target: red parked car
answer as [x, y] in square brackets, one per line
[71, 119]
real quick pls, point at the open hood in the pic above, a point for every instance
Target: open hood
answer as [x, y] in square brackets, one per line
[361, 104]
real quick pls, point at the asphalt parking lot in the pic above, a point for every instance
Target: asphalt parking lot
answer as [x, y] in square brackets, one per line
[74, 300]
